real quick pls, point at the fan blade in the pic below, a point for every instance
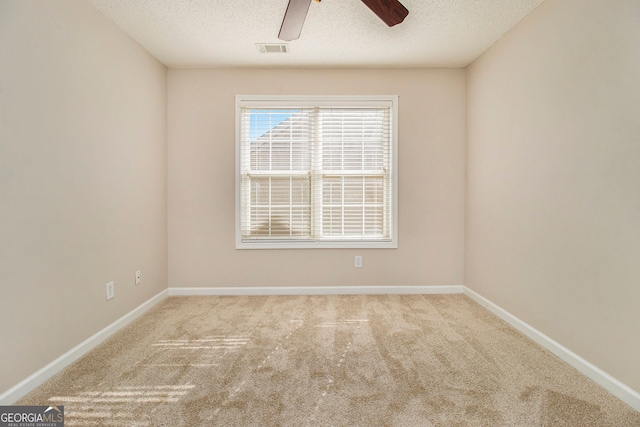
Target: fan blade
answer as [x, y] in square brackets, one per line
[293, 19]
[392, 12]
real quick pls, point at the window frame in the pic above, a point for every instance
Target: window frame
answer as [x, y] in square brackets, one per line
[296, 101]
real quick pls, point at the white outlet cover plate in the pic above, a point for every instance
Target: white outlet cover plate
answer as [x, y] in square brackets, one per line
[110, 290]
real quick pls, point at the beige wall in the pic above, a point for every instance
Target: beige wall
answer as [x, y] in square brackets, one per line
[82, 179]
[553, 178]
[201, 133]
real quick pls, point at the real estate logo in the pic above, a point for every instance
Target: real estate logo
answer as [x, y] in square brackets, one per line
[31, 416]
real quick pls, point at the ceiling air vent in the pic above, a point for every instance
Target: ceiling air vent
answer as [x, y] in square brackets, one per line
[272, 47]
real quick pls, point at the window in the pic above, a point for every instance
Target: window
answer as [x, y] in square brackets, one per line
[316, 172]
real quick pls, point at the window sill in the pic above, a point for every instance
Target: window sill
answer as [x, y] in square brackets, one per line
[317, 245]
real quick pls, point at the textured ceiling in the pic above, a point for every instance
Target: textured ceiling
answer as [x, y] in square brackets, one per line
[337, 33]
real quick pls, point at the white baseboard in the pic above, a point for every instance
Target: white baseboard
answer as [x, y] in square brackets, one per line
[606, 381]
[39, 377]
[319, 290]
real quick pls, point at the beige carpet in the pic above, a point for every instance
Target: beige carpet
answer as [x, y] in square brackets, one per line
[326, 361]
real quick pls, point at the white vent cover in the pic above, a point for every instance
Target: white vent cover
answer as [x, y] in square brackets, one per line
[272, 47]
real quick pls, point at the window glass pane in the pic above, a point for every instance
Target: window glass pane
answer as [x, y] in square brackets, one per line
[354, 139]
[332, 221]
[279, 139]
[280, 207]
[332, 191]
[354, 206]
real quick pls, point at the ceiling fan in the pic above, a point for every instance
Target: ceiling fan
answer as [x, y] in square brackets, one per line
[392, 12]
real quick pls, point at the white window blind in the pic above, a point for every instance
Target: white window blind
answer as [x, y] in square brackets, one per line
[316, 172]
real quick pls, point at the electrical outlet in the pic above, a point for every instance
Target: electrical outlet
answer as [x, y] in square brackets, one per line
[358, 261]
[110, 290]
[138, 277]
